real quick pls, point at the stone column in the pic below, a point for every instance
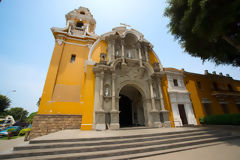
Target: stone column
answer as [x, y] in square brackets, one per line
[139, 54]
[152, 95]
[146, 54]
[123, 54]
[114, 112]
[147, 112]
[113, 49]
[154, 112]
[160, 94]
[97, 92]
[113, 92]
[101, 91]
[99, 116]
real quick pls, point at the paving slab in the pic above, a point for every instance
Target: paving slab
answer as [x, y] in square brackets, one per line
[229, 150]
[6, 146]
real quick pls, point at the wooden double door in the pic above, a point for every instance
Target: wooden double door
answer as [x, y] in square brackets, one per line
[182, 113]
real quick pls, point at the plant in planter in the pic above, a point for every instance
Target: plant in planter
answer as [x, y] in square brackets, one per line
[24, 131]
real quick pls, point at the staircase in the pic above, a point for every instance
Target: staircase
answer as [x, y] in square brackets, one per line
[119, 147]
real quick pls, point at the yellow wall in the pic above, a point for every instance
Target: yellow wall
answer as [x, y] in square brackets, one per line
[152, 57]
[101, 47]
[69, 80]
[206, 91]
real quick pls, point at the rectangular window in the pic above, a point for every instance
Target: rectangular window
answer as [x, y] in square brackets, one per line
[215, 86]
[199, 85]
[225, 108]
[207, 109]
[73, 58]
[230, 88]
[175, 82]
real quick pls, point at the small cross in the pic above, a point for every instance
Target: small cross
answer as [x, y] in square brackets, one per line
[123, 24]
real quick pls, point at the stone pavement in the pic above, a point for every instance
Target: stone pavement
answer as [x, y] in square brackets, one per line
[227, 150]
[6, 146]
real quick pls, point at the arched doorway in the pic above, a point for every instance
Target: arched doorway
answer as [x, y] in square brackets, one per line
[125, 115]
[131, 107]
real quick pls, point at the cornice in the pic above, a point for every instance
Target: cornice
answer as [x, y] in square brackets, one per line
[75, 39]
[57, 30]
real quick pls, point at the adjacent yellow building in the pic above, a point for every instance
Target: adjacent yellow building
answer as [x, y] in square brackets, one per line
[116, 80]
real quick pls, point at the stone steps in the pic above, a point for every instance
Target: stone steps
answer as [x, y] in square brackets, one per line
[106, 141]
[118, 137]
[123, 147]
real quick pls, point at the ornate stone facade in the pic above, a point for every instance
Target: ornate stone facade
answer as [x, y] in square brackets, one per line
[128, 68]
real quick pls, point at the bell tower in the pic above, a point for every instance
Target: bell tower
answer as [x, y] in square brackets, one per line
[80, 22]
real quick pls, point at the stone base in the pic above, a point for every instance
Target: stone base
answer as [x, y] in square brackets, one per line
[100, 126]
[167, 124]
[114, 126]
[157, 124]
[44, 124]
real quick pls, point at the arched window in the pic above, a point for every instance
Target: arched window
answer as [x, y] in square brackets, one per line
[83, 13]
[79, 25]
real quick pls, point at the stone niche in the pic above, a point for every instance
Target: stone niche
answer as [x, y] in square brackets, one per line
[44, 124]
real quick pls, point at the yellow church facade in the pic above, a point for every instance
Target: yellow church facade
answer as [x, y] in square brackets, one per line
[116, 80]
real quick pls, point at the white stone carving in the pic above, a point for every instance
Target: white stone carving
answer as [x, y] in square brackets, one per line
[107, 92]
[179, 95]
[59, 41]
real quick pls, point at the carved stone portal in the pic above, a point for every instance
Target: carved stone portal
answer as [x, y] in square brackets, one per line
[126, 93]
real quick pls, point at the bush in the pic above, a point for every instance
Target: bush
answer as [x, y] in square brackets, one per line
[24, 131]
[225, 119]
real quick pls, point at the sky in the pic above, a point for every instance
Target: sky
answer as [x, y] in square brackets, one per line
[27, 43]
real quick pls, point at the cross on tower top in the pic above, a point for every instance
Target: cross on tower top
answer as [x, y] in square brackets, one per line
[125, 25]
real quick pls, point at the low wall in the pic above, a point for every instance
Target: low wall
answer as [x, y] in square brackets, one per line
[44, 124]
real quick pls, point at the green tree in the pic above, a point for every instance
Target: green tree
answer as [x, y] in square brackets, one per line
[209, 29]
[18, 113]
[4, 103]
[31, 116]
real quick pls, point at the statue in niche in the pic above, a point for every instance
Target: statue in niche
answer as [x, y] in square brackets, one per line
[154, 93]
[117, 54]
[129, 54]
[103, 58]
[107, 92]
[156, 67]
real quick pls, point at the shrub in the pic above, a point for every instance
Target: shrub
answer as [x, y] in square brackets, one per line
[225, 119]
[24, 131]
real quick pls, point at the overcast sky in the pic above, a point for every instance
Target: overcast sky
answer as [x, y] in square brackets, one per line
[26, 42]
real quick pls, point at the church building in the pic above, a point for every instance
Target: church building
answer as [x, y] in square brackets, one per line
[114, 80]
